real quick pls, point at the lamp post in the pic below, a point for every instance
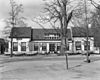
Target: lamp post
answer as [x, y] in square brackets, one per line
[87, 33]
[12, 38]
[13, 24]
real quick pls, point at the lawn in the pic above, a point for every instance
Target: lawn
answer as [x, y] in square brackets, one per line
[51, 70]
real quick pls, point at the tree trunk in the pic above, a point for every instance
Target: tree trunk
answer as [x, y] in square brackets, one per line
[11, 47]
[62, 45]
[73, 46]
[66, 49]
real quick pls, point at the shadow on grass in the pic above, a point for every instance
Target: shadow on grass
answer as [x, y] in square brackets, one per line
[79, 65]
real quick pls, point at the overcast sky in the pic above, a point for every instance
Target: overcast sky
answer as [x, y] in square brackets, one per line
[31, 8]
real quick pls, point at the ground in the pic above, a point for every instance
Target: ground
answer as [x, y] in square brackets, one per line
[49, 68]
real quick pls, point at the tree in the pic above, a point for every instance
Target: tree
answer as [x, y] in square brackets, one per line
[13, 20]
[96, 23]
[59, 12]
[86, 20]
[96, 15]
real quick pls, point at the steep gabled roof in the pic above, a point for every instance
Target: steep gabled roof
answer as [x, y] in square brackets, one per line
[97, 37]
[21, 32]
[81, 32]
[38, 34]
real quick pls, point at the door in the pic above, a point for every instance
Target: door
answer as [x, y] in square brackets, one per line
[52, 47]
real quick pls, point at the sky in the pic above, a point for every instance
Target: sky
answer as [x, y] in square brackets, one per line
[32, 8]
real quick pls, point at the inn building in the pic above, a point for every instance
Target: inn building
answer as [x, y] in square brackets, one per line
[30, 41]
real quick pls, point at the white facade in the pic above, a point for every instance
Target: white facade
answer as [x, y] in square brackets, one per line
[55, 44]
[82, 40]
[47, 43]
[72, 45]
[19, 41]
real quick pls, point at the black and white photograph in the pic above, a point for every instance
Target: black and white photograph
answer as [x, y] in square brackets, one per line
[49, 40]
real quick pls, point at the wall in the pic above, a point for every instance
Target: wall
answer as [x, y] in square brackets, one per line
[47, 44]
[19, 45]
[82, 39]
[72, 49]
[40, 45]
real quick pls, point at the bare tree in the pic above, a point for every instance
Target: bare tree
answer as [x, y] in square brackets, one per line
[59, 12]
[96, 14]
[95, 21]
[85, 13]
[13, 20]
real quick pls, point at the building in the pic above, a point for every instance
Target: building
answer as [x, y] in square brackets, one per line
[30, 41]
[80, 41]
[97, 39]
[2, 46]
[21, 38]
[47, 40]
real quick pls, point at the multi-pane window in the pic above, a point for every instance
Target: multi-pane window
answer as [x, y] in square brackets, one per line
[31, 46]
[58, 47]
[78, 45]
[86, 46]
[6, 47]
[44, 47]
[15, 46]
[36, 47]
[51, 47]
[52, 36]
[67, 47]
[23, 46]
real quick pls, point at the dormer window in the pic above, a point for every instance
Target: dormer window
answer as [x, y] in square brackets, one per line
[52, 36]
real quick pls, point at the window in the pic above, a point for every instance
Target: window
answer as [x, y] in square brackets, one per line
[67, 47]
[78, 45]
[58, 48]
[52, 47]
[96, 48]
[31, 46]
[23, 46]
[36, 47]
[52, 36]
[85, 45]
[44, 48]
[6, 46]
[15, 46]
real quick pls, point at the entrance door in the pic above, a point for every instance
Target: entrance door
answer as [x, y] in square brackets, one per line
[52, 47]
